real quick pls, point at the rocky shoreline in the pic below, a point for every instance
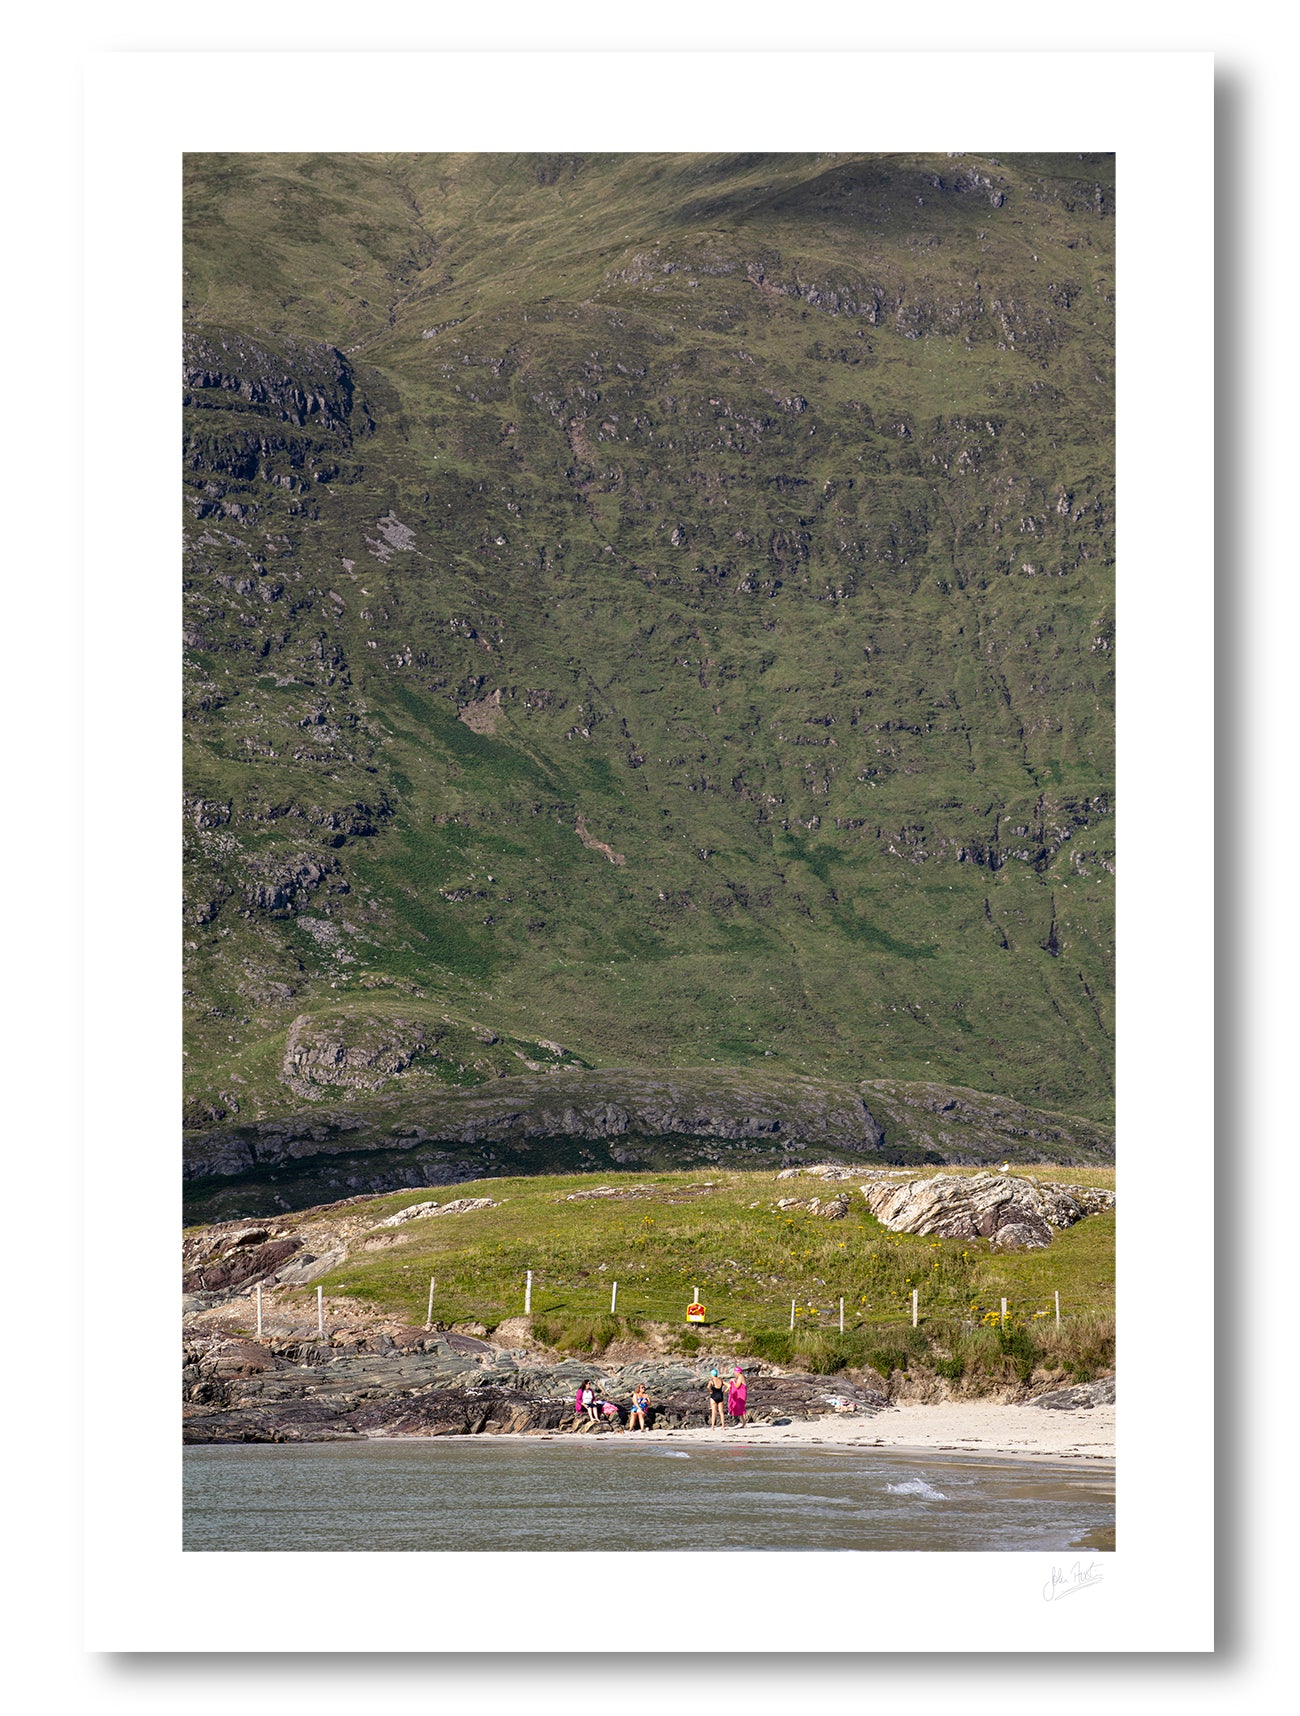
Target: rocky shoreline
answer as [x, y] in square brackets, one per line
[418, 1383]
[414, 1382]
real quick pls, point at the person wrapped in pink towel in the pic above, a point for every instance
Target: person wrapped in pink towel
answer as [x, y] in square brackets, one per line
[737, 1396]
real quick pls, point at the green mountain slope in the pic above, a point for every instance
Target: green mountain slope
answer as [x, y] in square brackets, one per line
[655, 607]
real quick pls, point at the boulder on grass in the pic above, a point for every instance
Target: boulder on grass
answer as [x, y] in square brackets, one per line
[1016, 1213]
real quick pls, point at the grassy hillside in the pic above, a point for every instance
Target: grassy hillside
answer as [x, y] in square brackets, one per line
[664, 1234]
[656, 607]
[723, 1235]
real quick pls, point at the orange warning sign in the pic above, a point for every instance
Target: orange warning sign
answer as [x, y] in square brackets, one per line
[695, 1313]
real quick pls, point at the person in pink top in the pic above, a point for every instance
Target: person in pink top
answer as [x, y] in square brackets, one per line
[736, 1398]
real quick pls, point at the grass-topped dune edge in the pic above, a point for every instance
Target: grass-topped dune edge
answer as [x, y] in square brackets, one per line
[613, 1119]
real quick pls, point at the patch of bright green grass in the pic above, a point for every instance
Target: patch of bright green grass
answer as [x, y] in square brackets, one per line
[748, 1259]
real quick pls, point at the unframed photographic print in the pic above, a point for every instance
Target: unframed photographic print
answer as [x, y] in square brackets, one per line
[649, 852]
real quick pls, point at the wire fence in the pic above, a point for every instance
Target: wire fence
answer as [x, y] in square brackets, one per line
[844, 1314]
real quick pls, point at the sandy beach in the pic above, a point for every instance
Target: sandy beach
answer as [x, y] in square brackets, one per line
[1021, 1432]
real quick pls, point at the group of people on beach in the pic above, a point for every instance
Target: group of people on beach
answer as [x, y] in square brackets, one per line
[587, 1409]
[737, 1393]
[732, 1396]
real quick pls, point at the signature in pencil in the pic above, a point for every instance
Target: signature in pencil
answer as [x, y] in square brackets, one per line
[1066, 1581]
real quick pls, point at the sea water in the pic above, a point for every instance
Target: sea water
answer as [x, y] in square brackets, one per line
[488, 1493]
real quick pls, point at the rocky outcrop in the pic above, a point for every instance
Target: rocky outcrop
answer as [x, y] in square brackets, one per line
[290, 381]
[283, 883]
[358, 818]
[224, 1260]
[443, 1384]
[949, 1123]
[835, 1208]
[1012, 1211]
[1081, 1398]
[240, 1266]
[442, 1135]
[819, 1171]
[414, 1129]
[457, 1206]
[310, 1266]
[354, 1053]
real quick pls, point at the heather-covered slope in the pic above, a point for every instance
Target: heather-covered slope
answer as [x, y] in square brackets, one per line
[646, 612]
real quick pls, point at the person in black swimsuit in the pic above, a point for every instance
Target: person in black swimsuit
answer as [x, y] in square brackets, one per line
[716, 1396]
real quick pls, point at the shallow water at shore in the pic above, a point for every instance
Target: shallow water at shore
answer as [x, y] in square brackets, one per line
[487, 1493]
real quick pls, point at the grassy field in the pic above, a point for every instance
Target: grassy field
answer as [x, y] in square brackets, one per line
[723, 1234]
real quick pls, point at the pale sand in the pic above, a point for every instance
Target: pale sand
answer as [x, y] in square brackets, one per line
[952, 1427]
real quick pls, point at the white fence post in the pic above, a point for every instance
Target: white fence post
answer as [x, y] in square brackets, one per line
[841, 1316]
[792, 1316]
[1057, 1296]
[320, 1313]
[613, 1300]
[1004, 1312]
[259, 1310]
[914, 1307]
[528, 1293]
[428, 1321]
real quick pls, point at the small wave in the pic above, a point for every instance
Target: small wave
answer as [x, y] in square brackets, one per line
[916, 1487]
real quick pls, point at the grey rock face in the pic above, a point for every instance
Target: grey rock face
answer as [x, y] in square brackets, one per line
[457, 1206]
[280, 885]
[596, 1106]
[1014, 1212]
[290, 381]
[307, 1269]
[359, 1055]
[835, 1209]
[952, 1124]
[1080, 1398]
[819, 1171]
